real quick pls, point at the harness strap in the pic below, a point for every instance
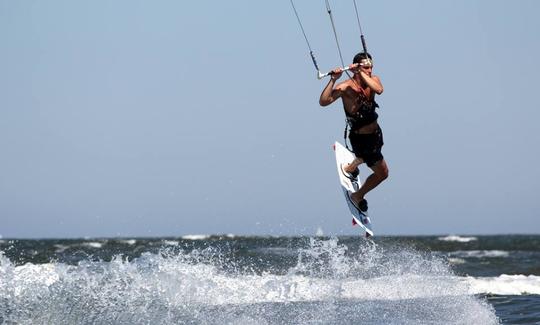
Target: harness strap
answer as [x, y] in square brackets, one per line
[345, 134]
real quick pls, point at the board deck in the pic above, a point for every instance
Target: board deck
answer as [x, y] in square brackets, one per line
[343, 157]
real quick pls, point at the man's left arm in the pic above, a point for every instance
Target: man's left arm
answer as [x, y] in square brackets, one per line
[373, 82]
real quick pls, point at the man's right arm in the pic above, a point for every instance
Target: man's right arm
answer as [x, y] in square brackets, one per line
[329, 94]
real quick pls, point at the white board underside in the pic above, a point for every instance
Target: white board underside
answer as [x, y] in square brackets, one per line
[343, 157]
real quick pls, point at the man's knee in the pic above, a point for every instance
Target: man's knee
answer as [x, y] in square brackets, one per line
[382, 171]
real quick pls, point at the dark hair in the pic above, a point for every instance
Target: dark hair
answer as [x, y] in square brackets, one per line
[361, 56]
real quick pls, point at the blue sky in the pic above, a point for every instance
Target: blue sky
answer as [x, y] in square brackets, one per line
[164, 118]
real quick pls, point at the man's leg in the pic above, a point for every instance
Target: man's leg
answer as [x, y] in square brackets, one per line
[380, 173]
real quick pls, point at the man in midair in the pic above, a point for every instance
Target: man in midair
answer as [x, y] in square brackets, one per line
[365, 135]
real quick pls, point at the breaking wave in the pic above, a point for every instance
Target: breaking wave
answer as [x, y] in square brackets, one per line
[459, 239]
[329, 283]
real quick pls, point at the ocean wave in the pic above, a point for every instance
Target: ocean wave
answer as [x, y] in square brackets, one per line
[93, 244]
[170, 243]
[479, 254]
[60, 248]
[204, 284]
[505, 285]
[456, 261]
[459, 239]
[195, 237]
[189, 286]
[283, 251]
[204, 237]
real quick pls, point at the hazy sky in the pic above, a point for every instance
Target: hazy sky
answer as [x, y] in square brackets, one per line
[165, 118]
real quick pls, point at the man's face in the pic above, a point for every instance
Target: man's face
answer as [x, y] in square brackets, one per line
[366, 65]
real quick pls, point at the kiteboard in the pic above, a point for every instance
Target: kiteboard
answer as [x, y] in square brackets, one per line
[343, 157]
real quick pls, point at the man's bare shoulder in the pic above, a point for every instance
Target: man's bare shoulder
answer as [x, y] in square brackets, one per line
[344, 85]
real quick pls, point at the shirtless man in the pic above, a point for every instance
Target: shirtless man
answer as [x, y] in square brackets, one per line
[365, 136]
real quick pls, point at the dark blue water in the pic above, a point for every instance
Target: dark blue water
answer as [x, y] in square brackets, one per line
[271, 280]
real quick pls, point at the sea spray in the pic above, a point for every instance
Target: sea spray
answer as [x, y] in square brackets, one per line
[330, 282]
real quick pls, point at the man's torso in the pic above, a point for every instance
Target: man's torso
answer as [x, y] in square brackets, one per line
[353, 94]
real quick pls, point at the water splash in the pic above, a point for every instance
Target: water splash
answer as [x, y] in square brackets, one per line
[330, 283]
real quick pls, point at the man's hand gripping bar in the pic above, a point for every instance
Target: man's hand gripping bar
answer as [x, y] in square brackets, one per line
[323, 75]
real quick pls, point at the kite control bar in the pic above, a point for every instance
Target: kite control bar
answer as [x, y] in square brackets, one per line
[322, 75]
[344, 69]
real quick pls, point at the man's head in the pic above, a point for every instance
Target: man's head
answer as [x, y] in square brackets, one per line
[364, 59]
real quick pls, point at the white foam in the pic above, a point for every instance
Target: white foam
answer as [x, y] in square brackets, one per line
[60, 248]
[170, 242]
[129, 241]
[194, 280]
[44, 274]
[285, 251]
[505, 285]
[456, 261]
[454, 238]
[479, 254]
[195, 237]
[93, 244]
[206, 285]
[203, 284]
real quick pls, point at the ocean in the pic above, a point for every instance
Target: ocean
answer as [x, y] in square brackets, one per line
[272, 280]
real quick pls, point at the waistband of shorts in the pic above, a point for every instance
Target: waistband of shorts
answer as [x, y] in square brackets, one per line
[377, 130]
